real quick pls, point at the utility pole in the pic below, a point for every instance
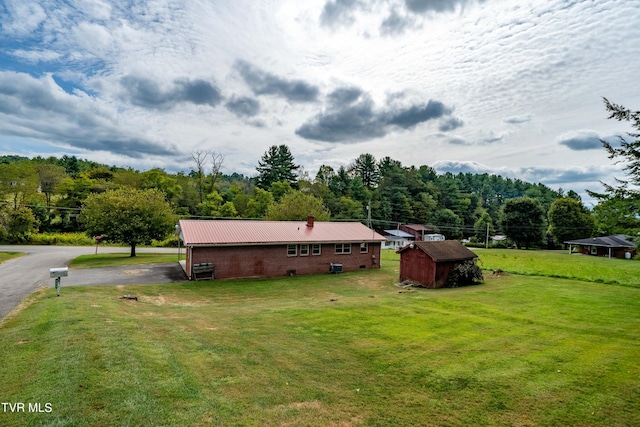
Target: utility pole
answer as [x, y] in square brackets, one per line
[486, 246]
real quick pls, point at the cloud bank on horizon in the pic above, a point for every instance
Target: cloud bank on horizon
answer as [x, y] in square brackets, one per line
[507, 87]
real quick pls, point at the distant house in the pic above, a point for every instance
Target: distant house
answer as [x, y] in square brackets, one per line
[616, 246]
[433, 237]
[395, 239]
[278, 248]
[498, 239]
[429, 263]
[418, 231]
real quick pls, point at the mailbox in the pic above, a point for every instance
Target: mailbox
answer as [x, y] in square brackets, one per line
[58, 272]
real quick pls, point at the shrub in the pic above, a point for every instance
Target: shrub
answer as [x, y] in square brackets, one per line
[463, 274]
[169, 242]
[63, 239]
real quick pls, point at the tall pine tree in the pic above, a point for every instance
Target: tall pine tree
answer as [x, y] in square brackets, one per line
[276, 165]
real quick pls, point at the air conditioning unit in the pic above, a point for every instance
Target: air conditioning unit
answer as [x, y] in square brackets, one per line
[335, 268]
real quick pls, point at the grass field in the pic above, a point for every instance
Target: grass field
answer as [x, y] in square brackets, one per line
[5, 256]
[341, 350]
[562, 264]
[121, 258]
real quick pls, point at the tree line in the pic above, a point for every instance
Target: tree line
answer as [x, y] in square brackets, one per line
[49, 194]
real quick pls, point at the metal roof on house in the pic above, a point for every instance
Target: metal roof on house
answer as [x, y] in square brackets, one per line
[445, 250]
[615, 241]
[238, 232]
[417, 227]
[398, 233]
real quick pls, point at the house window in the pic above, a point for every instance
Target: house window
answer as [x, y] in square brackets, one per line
[292, 250]
[594, 250]
[315, 249]
[343, 248]
[304, 250]
[364, 248]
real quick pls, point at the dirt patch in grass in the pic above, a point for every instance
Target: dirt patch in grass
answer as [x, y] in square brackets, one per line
[155, 300]
[161, 300]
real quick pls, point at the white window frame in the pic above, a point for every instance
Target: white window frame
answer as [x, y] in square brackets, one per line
[342, 247]
[594, 250]
[364, 248]
[295, 249]
[304, 249]
[317, 246]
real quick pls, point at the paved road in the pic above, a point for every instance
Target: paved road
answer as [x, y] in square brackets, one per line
[21, 276]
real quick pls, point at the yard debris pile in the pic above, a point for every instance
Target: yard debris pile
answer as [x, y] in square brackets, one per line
[133, 297]
[408, 284]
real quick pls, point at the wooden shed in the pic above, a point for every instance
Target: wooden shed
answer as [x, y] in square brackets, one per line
[429, 263]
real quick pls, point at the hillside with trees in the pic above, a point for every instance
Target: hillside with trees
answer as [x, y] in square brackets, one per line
[49, 194]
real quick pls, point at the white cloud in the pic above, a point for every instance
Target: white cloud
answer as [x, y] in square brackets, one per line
[93, 37]
[21, 18]
[162, 78]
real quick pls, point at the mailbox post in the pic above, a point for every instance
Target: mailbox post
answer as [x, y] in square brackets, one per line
[57, 273]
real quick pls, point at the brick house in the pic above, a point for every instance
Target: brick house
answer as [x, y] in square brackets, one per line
[429, 263]
[278, 248]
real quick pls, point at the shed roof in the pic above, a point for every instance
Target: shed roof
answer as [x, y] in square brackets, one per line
[237, 232]
[445, 250]
[615, 241]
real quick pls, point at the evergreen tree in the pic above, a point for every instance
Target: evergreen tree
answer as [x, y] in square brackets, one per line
[366, 168]
[619, 209]
[629, 151]
[276, 165]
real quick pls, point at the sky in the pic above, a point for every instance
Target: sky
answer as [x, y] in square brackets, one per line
[509, 87]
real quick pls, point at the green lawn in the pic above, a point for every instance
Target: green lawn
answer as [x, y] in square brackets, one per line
[562, 264]
[5, 256]
[121, 258]
[341, 350]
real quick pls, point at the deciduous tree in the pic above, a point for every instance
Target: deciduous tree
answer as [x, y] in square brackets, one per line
[522, 220]
[128, 216]
[49, 177]
[16, 224]
[569, 219]
[482, 225]
[297, 206]
[448, 223]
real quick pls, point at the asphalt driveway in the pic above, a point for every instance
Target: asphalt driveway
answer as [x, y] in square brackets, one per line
[21, 276]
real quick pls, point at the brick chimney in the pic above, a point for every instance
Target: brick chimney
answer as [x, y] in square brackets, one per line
[310, 220]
